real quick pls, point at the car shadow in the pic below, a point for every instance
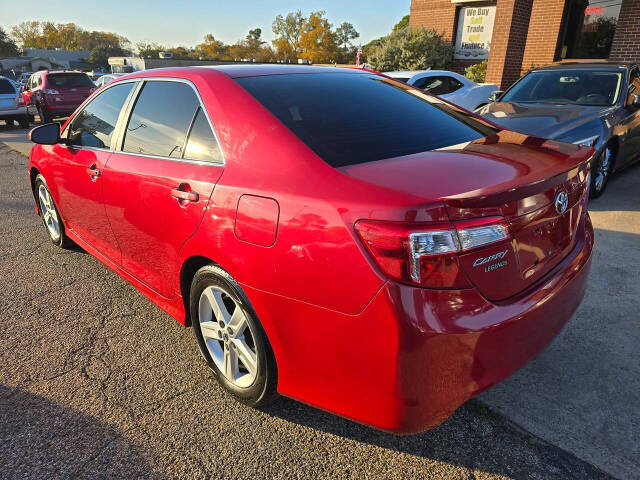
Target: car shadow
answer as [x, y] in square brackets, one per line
[622, 192]
[40, 438]
[474, 437]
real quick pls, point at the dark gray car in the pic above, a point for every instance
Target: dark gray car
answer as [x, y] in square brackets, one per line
[587, 104]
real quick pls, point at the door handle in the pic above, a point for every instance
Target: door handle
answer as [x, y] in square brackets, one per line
[183, 195]
[93, 172]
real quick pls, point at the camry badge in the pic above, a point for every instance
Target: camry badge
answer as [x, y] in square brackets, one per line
[561, 202]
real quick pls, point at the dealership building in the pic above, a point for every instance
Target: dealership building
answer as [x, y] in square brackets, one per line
[517, 35]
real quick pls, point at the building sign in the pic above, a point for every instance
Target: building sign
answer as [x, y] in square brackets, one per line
[475, 27]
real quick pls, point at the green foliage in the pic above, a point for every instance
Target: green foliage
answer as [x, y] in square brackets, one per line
[8, 47]
[402, 24]
[477, 72]
[100, 55]
[410, 48]
[69, 36]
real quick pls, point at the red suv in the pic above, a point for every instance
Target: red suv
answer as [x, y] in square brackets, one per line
[56, 94]
[331, 235]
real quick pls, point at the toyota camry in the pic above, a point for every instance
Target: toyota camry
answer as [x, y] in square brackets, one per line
[331, 235]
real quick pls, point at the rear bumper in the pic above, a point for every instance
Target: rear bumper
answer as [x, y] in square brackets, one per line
[413, 356]
[16, 112]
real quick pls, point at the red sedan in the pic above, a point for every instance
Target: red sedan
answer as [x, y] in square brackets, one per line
[332, 235]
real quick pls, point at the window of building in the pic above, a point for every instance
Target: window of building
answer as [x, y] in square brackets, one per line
[589, 28]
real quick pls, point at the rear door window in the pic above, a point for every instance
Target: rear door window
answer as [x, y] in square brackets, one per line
[202, 144]
[161, 119]
[350, 118]
[94, 125]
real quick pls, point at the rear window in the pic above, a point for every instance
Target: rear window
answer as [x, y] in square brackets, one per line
[6, 87]
[69, 80]
[349, 118]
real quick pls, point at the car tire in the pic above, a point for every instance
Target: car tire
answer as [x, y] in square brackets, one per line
[49, 214]
[601, 169]
[242, 361]
[24, 122]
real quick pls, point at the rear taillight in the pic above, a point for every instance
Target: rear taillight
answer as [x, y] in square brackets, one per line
[50, 91]
[21, 100]
[426, 254]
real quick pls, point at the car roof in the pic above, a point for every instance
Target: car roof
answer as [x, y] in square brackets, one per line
[404, 73]
[585, 66]
[239, 71]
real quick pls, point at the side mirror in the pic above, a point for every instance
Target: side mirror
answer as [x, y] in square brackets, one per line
[48, 134]
[494, 96]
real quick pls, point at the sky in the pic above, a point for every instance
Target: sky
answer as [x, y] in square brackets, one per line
[173, 23]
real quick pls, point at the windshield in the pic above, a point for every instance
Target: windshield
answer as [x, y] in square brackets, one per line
[348, 118]
[69, 80]
[567, 87]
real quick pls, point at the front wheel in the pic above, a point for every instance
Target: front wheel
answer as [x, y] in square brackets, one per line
[231, 338]
[601, 169]
[49, 214]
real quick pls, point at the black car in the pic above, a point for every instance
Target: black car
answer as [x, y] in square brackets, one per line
[596, 104]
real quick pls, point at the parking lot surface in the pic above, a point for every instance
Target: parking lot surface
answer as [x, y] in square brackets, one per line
[96, 382]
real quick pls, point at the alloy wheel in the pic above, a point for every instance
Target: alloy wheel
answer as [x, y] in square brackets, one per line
[228, 336]
[48, 212]
[603, 169]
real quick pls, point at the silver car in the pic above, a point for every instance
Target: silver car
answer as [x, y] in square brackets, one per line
[12, 106]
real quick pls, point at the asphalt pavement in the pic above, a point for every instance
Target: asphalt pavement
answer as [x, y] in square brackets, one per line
[96, 382]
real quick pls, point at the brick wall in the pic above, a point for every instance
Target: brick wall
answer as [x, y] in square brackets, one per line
[438, 15]
[543, 32]
[626, 41]
[508, 41]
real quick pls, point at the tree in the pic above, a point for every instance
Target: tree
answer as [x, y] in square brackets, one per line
[402, 24]
[212, 49]
[8, 47]
[345, 33]
[100, 54]
[411, 48]
[69, 36]
[149, 50]
[288, 30]
[317, 40]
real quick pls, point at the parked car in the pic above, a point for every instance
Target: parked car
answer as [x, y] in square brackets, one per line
[12, 107]
[596, 105]
[451, 86]
[24, 78]
[331, 235]
[106, 78]
[56, 94]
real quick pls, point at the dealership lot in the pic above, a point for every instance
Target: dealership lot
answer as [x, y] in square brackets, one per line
[97, 381]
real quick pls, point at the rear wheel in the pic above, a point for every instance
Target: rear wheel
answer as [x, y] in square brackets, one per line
[601, 169]
[24, 122]
[49, 214]
[230, 337]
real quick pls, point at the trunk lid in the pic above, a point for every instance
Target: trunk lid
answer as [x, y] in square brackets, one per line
[508, 175]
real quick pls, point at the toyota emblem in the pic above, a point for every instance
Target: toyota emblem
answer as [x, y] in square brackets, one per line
[561, 202]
